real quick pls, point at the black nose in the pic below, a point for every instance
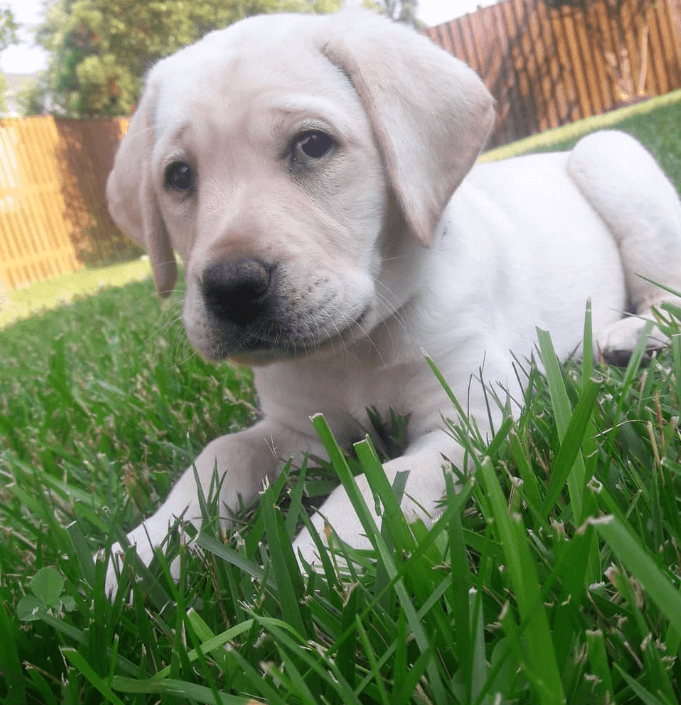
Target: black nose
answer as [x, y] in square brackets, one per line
[237, 291]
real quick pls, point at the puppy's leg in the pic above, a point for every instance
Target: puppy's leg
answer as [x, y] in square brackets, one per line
[427, 461]
[641, 208]
[243, 461]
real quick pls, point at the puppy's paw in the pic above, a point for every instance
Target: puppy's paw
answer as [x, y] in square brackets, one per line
[115, 565]
[145, 539]
[618, 340]
[307, 552]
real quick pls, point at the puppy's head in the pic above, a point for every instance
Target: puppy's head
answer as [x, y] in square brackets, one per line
[277, 156]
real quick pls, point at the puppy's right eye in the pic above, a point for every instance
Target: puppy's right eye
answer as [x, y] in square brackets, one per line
[180, 177]
[310, 146]
[314, 144]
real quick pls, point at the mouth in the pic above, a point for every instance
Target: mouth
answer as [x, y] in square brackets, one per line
[278, 343]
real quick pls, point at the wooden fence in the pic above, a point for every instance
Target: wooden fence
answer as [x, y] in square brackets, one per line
[53, 217]
[551, 62]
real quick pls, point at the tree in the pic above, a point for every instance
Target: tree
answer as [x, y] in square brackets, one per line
[102, 49]
[31, 97]
[401, 10]
[8, 35]
[9, 28]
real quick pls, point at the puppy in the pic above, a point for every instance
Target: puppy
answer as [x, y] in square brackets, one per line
[316, 175]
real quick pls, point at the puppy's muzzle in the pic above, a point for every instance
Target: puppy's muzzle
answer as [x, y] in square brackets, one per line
[239, 292]
[252, 314]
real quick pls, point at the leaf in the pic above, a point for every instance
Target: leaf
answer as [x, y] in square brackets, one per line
[47, 585]
[30, 608]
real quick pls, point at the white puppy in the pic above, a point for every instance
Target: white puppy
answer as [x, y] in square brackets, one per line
[315, 173]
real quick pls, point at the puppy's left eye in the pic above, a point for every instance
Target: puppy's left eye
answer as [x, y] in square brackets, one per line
[180, 177]
[313, 144]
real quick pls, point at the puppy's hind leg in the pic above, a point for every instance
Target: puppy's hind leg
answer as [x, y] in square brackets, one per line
[641, 208]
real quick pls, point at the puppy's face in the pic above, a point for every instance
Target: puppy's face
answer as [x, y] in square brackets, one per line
[271, 188]
[296, 163]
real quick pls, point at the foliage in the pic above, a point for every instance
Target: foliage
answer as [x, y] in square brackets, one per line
[31, 98]
[9, 28]
[401, 10]
[8, 35]
[101, 50]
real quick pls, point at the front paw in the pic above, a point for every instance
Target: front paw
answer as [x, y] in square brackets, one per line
[305, 550]
[144, 544]
[145, 539]
[336, 523]
[144, 551]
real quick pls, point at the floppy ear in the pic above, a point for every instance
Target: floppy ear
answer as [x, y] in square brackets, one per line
[430, 113]
[131, 197]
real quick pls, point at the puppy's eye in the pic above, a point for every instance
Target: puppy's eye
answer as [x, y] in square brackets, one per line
[180, 176]
[313, 144]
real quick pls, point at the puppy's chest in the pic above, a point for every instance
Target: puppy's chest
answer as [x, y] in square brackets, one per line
[382, 388]
[382, 373]
[372, 375]
[343, 392]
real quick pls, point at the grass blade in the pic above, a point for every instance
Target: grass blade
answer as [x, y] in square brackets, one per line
[511, 534]
[570, 448]
[637, 560]
[374, 535]
[179, 689]
[286, 573]
[10, 663]
[563, 413]
[84, 667]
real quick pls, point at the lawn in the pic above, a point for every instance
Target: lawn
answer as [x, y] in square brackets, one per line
[35, 299]
[552, 576]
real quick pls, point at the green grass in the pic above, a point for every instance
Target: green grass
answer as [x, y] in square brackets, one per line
[654, 122]
[32, 300]
[552, 576]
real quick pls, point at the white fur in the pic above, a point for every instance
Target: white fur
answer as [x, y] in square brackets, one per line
[384, 250]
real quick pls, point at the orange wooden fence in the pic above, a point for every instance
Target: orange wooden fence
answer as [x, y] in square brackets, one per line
[53, 218]
[549, 63]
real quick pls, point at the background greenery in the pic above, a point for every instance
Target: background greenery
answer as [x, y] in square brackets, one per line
[8, 36]
[100, 51]
[552, 576]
